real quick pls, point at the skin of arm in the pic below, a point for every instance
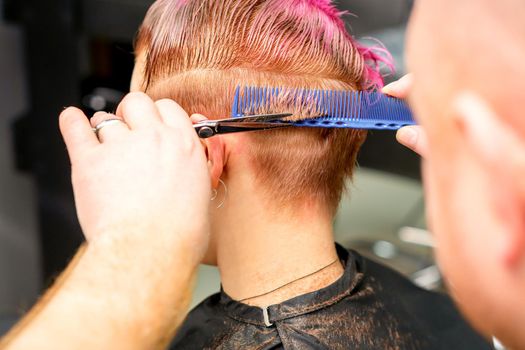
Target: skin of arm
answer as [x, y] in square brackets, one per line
[94, 305]
[129, 286]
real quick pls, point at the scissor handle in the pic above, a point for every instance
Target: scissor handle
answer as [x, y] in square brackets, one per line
[205, 130]
[209, 128]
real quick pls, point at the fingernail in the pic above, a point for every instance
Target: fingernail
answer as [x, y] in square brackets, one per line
[66, 111]
[392, 87]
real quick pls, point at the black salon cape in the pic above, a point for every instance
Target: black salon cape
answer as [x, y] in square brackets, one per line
[369, 307]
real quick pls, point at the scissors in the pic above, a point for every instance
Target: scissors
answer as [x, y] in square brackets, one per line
[209, 128]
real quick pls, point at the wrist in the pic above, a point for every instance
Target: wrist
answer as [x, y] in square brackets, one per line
[153, 244]
[138, 252]
[141, 288]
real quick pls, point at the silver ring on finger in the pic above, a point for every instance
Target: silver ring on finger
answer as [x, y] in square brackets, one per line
[105, 123]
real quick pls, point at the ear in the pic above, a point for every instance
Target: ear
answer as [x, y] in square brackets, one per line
[501, 153]
[215, 152]
[216, 158]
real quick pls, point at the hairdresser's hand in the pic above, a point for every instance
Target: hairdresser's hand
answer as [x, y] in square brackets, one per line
[142, 190]
[413, 137]
[145, 177]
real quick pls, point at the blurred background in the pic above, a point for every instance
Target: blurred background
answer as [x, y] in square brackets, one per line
[55, 53]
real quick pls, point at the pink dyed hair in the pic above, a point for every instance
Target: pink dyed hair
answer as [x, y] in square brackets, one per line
[374, 56]
[197, 52]
[315, 21]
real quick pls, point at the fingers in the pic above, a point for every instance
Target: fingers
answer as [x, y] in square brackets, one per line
[197, 118]
[138, 111]
[413, 137]
[112, 131]
[400, 88]
[77, 132]
[172, 114]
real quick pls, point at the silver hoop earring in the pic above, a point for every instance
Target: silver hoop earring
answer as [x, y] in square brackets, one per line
[215, 194]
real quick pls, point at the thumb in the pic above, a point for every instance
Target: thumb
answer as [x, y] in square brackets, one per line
[415, 138]
[197, 118]
[400, 88]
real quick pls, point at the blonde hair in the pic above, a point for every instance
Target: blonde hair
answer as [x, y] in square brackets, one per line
[197, 52]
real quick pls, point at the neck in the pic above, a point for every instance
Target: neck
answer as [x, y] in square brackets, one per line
[260, 249]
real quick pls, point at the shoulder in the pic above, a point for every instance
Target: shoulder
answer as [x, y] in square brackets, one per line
[388, 283]
[398, 291]
[203, 323]
[421, 310]
[380, 274]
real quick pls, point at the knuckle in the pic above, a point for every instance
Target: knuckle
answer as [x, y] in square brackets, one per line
[154, 134]
[186, 145]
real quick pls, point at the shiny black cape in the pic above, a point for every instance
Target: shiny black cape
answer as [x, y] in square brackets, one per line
[369, 307]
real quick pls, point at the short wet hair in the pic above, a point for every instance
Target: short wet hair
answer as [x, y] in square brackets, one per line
[197, 52]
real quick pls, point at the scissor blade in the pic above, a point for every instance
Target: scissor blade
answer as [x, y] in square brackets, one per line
[228, 128]
[254, 125]
[259, 118]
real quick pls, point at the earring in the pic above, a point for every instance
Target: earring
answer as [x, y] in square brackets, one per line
[215, 194]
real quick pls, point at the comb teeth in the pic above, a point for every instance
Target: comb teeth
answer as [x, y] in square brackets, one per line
[325, 108]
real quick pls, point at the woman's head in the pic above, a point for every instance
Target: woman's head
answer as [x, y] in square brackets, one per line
[197, 52]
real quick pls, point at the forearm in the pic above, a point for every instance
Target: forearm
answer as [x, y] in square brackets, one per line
[116, 294]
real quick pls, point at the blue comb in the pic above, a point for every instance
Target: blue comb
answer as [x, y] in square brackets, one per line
[332, 109]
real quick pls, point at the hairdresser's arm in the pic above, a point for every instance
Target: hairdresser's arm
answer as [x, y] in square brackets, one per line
[141, 198]
[413, 137]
